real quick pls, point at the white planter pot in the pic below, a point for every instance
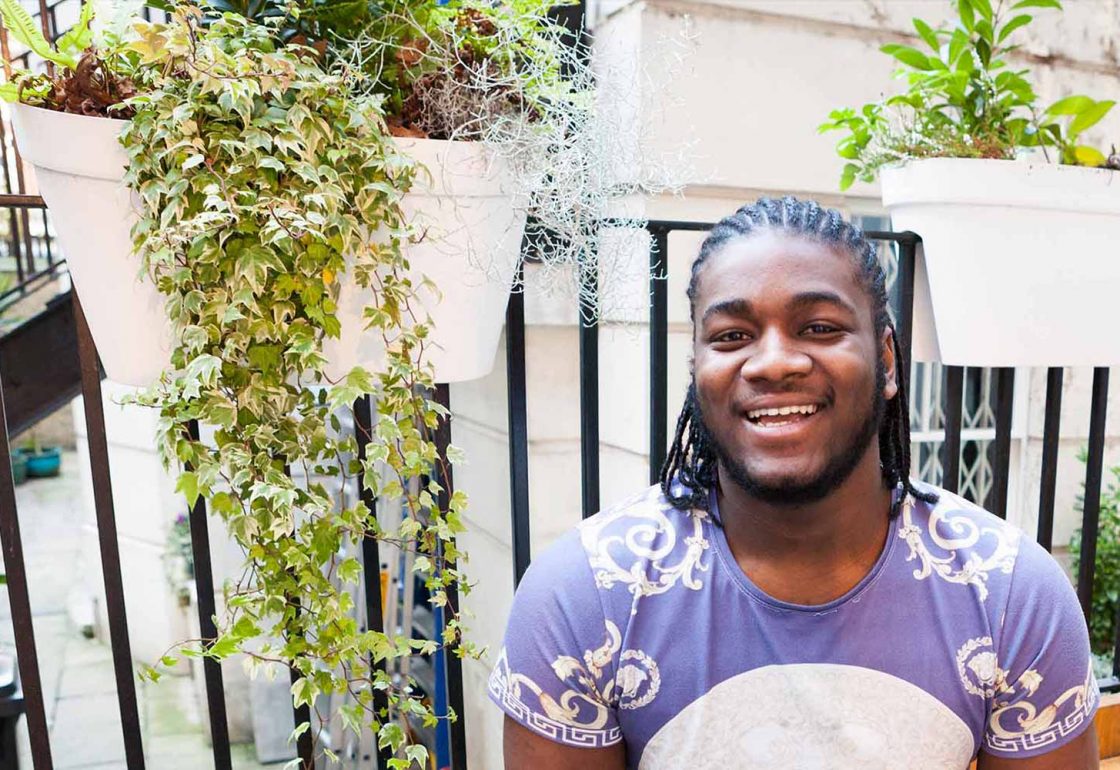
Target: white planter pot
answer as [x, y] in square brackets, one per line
[471, 249]
[1019, 262]
[79, 166]
[471, 244]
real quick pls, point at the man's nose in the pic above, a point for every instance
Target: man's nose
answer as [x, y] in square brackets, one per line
[775, 356]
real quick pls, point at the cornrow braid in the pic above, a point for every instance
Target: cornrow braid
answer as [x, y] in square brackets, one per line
[689, 472]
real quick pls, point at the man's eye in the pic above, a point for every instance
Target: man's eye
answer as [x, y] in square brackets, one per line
[821, 329]
[731, 336]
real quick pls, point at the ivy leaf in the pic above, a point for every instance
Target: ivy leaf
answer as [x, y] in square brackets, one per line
[223, 648]
[188, 485]
[350, 570]
[151, 42]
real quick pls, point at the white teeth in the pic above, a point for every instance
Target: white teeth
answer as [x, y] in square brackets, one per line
[754, 414]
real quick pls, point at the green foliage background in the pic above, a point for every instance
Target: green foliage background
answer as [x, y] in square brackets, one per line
[1106, 588]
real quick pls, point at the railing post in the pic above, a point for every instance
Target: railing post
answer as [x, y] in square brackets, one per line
[107, 536]
[951, 447]
[1094, 477]
[453, 662]
[518, 427]
[1001, 447]
[20, 602]
[658, 349]
[371, 569]
[204, 589]
[1048, 482]
[589, 386]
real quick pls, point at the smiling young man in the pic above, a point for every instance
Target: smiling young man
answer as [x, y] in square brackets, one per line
[787, 598]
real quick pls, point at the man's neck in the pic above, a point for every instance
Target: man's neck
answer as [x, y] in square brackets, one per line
[811, 553]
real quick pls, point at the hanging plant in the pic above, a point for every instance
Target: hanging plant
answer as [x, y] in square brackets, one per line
[263, 179]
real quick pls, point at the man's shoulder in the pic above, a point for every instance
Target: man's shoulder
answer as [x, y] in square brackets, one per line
[964, 543]
[629, 548]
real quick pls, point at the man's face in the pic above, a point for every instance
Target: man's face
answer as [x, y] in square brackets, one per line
[790, 376]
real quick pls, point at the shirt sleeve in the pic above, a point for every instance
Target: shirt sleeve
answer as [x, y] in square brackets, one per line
[1046, 693]
[556, 668]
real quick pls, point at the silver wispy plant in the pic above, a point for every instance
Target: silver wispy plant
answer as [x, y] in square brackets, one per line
[571, 124]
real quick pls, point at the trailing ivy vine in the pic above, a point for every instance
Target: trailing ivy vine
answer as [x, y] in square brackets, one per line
[263, 181]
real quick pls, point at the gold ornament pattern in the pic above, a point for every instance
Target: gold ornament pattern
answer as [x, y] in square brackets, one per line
[639, 537]
[579, 716]
[968, 529]
[1021, 726]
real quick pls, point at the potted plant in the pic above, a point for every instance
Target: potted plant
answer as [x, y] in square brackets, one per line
[40, 461]
[462, 202]
[493, 106]
[259, 181]
[1015, 214]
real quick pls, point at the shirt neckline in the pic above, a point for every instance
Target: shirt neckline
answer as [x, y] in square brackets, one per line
[723, 550]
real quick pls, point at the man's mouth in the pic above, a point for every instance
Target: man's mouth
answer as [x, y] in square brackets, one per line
[775, 417]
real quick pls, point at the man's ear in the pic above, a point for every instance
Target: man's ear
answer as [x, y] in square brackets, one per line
[890, 363]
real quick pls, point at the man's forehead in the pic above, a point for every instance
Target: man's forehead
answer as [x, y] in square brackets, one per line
[794, 264]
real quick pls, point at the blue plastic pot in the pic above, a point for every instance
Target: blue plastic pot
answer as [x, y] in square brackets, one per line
[45, 462]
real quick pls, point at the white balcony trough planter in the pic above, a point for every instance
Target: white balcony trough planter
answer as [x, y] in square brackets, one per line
[1020, 261]
[470, 250]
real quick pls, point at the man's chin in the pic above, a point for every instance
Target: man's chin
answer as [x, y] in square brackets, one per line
[782, 489]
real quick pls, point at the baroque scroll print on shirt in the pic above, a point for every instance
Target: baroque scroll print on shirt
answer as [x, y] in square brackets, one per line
[1022, 725]
[638, 545]
[988, 547]
[579, 715]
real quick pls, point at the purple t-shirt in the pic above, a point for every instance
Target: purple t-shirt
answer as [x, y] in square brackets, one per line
[639, 626]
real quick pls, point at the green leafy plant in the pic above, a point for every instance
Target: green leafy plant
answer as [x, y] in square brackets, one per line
[262, 181]
[1106, 584]
[963, 99]
[86, 83]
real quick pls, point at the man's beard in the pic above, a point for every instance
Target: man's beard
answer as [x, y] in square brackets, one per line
[835, 472]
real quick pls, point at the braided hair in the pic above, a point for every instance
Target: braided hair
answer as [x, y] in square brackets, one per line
[689, 472]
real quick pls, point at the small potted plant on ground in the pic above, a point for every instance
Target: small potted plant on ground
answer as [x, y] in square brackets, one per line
[1015, 214]
[41, 461]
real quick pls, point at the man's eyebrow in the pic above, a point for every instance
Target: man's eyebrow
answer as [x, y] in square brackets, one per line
[743, 308]
[806, 298]
[735, 307]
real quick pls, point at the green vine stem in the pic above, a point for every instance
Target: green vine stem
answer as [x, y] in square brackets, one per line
[263, 181]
